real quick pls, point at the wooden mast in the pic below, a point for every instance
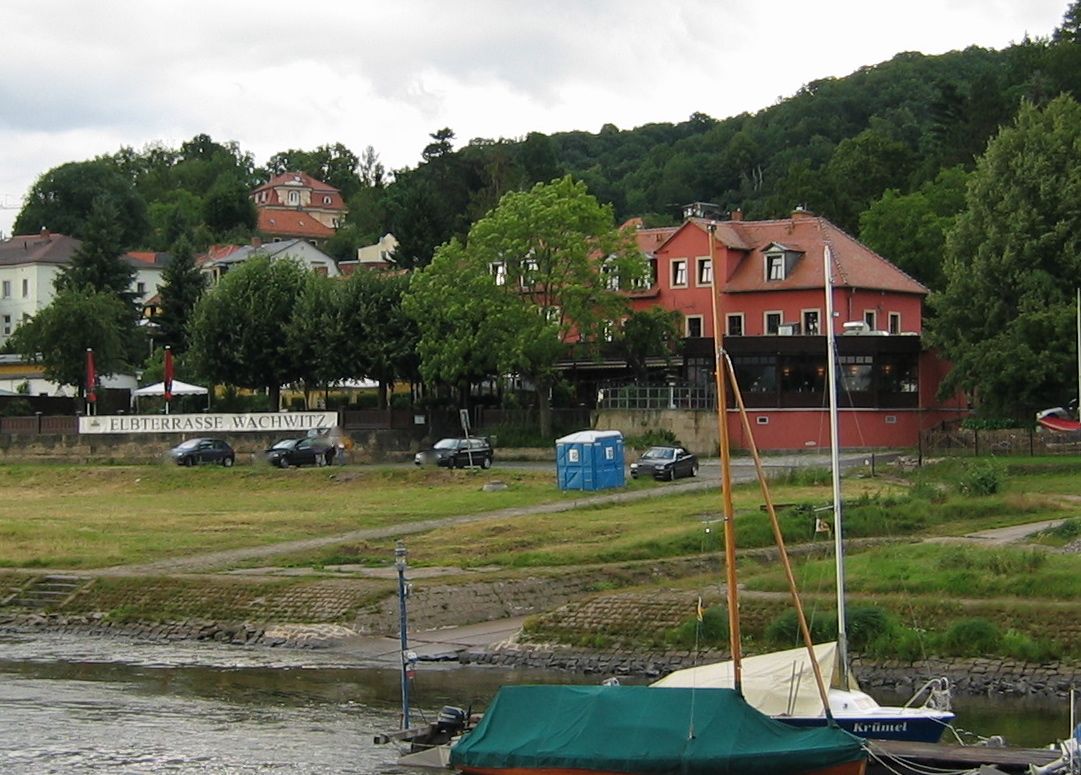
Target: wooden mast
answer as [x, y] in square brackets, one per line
[726, 474]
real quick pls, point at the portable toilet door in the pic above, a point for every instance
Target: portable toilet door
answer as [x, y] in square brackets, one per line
[590, 460]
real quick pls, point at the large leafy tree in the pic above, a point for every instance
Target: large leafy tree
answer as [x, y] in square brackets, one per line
[540, 270]
[182, 286]
[62, 200]
[910, 229]
[97, 263]
[649, 333]
[228, 207]
[1013, 262]
[77, 318]
[239, 329]
[388, 344]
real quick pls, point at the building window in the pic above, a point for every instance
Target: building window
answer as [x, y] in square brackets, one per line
[140, 288]
[773, 322]
[705, 271]
[810, 321]
[734, 324]
[26, 288]
[498, 271]
[694, 326]
[610, 273]
[6, 289]
[869, 319]
[294, 197]
[895, 322]
[856, 371]
[774, 266]
[7, 325]
[326, 200]
[650, 278]
[679, 272]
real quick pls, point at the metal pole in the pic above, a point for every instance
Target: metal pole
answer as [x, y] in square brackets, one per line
[399, 562]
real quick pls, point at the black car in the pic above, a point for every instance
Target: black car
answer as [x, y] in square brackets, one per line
[195, 451]
[665, 463]
[458, 453]
[307, 451]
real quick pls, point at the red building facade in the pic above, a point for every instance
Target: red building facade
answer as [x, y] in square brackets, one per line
[770, 287]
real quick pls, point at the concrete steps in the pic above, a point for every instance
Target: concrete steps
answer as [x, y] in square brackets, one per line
[44, 592]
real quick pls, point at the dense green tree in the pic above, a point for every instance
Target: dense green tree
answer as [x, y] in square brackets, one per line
[538, 271]
[182, 285]
[97, 263]
[77, 318]
[1013, 262]
[228, 207]
[61, 201]
[646, 334]
[910, 229]
[388, 336]
[1070, 29]
[239, 329]
[334, 165]
[311, 333]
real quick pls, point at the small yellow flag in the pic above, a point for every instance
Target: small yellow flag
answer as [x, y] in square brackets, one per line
[701, 613]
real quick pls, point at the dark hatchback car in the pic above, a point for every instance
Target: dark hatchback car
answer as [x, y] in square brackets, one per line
[458, 453]
[665, 463]
[307, 451]
[195, 451]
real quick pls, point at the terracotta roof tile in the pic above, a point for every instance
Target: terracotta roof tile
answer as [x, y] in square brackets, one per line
[293, 223]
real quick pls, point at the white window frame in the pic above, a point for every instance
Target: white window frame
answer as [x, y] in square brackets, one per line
[728, 324]
[894, 323]
[701, 326]
[765, 321]
[611, 274]
[774, 266]
[679, 269]
[7, 325]
[294, 197]
[870, 317]
[498, 270]
[26, 288]
[6, 287]
[704, 272]
[803, 320]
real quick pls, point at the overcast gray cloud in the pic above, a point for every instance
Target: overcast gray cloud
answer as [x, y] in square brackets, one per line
[82, 79]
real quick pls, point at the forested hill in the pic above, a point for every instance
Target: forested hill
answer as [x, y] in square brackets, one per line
[881, 151]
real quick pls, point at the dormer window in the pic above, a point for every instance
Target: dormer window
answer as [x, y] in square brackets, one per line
[774, 266]
[294, 197]
[780, 261]
[326, 200]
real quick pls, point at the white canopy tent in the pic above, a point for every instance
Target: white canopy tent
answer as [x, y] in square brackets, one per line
[179, 389]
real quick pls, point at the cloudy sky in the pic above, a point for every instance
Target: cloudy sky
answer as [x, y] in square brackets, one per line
[82, 79]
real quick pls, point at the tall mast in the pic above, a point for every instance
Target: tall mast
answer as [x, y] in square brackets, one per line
[726, 476]
[1079, 353]
[835, 466]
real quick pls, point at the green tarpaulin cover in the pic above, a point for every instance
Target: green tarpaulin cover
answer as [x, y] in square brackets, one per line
[641, 729]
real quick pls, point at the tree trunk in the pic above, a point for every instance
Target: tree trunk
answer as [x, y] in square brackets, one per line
[544, 409]
[383, 395]
[275, 394]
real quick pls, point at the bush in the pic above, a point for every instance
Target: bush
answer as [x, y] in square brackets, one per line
[17, 407]
[711, 631]
[655, 437]
[866, 623]
[980, 479]
[783, 631]
[1020, 646]
[971, 638]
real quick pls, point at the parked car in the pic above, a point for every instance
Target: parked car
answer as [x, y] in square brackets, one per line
[195, 451]
[307, 451]
[665, 463]
[458, 453]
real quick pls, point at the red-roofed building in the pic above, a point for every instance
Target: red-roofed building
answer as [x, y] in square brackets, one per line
[294, 205]
[771, 301]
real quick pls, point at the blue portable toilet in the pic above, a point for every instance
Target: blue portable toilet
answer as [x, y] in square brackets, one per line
[590, 460]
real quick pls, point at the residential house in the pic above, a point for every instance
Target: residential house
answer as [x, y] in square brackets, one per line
[294, 205]
[29, 265]
[376, 256]
[221, 258]
[770, 298]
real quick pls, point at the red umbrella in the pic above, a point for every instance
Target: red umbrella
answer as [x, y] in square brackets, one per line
[168, 385]
[91, 377]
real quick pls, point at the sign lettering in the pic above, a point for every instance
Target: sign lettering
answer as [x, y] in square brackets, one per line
[206, 423]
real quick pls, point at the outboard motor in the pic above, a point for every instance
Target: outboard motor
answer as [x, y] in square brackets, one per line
[450, 721]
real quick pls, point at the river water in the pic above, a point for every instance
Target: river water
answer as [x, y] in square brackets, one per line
[95, 705]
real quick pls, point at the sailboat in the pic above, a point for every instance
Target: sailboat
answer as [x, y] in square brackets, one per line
[778, 683]
[635, 730]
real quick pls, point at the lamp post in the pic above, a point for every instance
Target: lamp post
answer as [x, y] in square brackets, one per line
[399, 563]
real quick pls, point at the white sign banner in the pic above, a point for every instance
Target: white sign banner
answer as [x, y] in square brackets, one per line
[207, 423]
